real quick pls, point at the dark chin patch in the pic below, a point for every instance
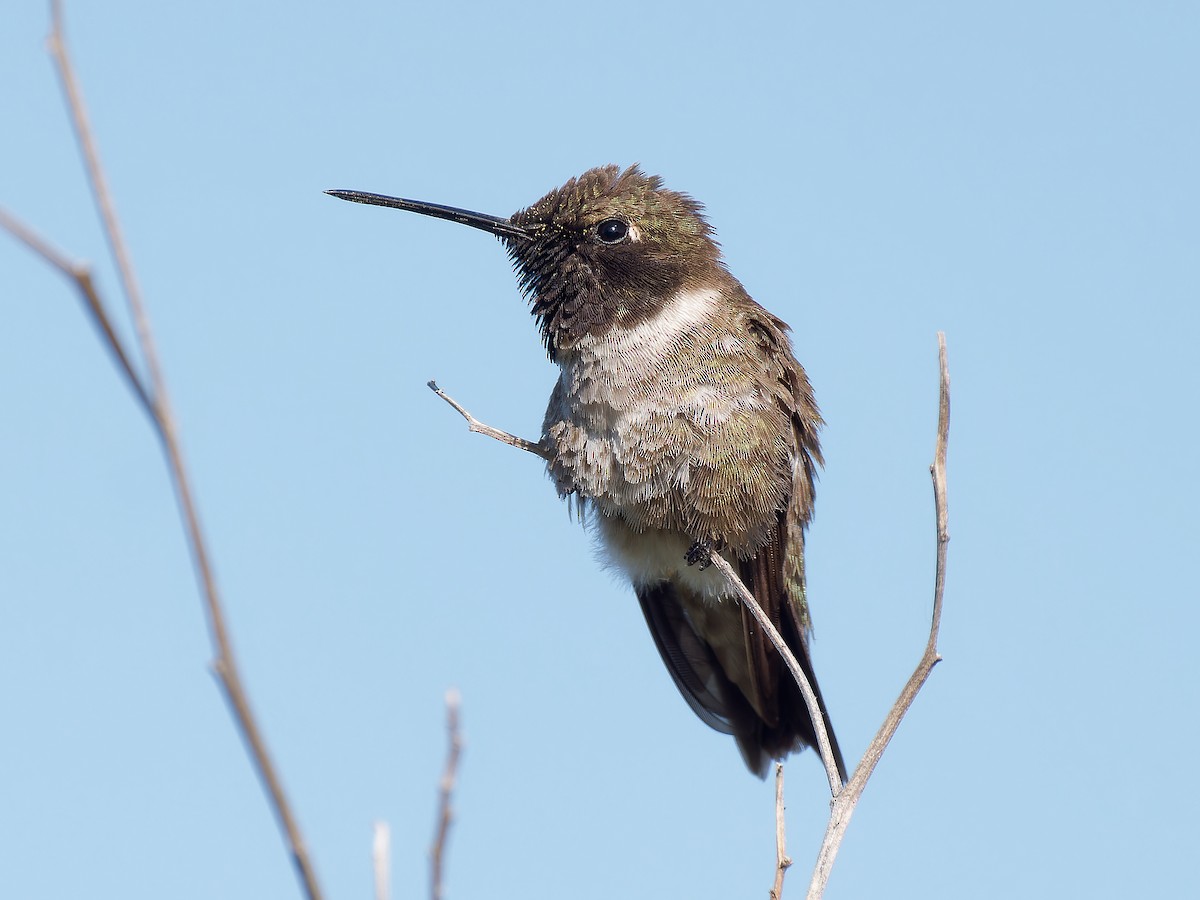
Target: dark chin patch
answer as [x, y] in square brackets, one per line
[574, 294]
[577, 284]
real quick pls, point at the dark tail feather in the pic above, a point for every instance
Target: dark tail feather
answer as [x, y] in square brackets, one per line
[808, 731]
[794, 729]
[787, 726]
[718, 701]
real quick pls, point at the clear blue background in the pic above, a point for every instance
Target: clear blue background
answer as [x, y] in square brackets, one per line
[1022, 176]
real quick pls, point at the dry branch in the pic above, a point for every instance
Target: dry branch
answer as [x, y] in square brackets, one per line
[782, 861]
[81, 277]
[842, 807]
[152, 395]
[478, 427]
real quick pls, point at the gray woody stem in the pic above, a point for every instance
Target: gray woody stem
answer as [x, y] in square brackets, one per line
[842, 807]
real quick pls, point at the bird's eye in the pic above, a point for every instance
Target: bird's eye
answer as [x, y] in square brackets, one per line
[612, 231]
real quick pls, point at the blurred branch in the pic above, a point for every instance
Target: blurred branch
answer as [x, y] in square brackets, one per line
[56, 43]
[381, 858]
[445, 815]
[80, 276]
[153, 397]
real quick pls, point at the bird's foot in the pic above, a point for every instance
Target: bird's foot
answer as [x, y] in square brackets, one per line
[701, 552]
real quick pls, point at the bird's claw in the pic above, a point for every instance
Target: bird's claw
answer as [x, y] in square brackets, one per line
[701, 552]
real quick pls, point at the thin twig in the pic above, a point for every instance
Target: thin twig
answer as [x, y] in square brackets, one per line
[844, 803]
[155, 398]
[80, 276]
[381, 859]
[782, 860]
[479, 428]
[445, 815]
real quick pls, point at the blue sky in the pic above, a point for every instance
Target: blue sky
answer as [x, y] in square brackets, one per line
[1021, 176]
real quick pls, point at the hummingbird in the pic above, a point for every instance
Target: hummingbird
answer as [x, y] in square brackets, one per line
[683, 426]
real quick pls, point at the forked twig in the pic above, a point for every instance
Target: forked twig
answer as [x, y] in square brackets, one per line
[81, 277]
[152, 394]
[445, 817]
[479, 428]
[842, 807]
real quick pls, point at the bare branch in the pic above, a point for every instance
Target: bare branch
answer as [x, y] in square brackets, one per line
[782, 860]
[81, 277]
[844, 803]
[153, 397]
[445, 795]
[479, 428]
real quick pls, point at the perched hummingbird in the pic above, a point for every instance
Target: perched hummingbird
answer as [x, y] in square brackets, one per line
[685, 427]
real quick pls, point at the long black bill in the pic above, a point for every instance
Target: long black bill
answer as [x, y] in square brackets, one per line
[494, 224]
